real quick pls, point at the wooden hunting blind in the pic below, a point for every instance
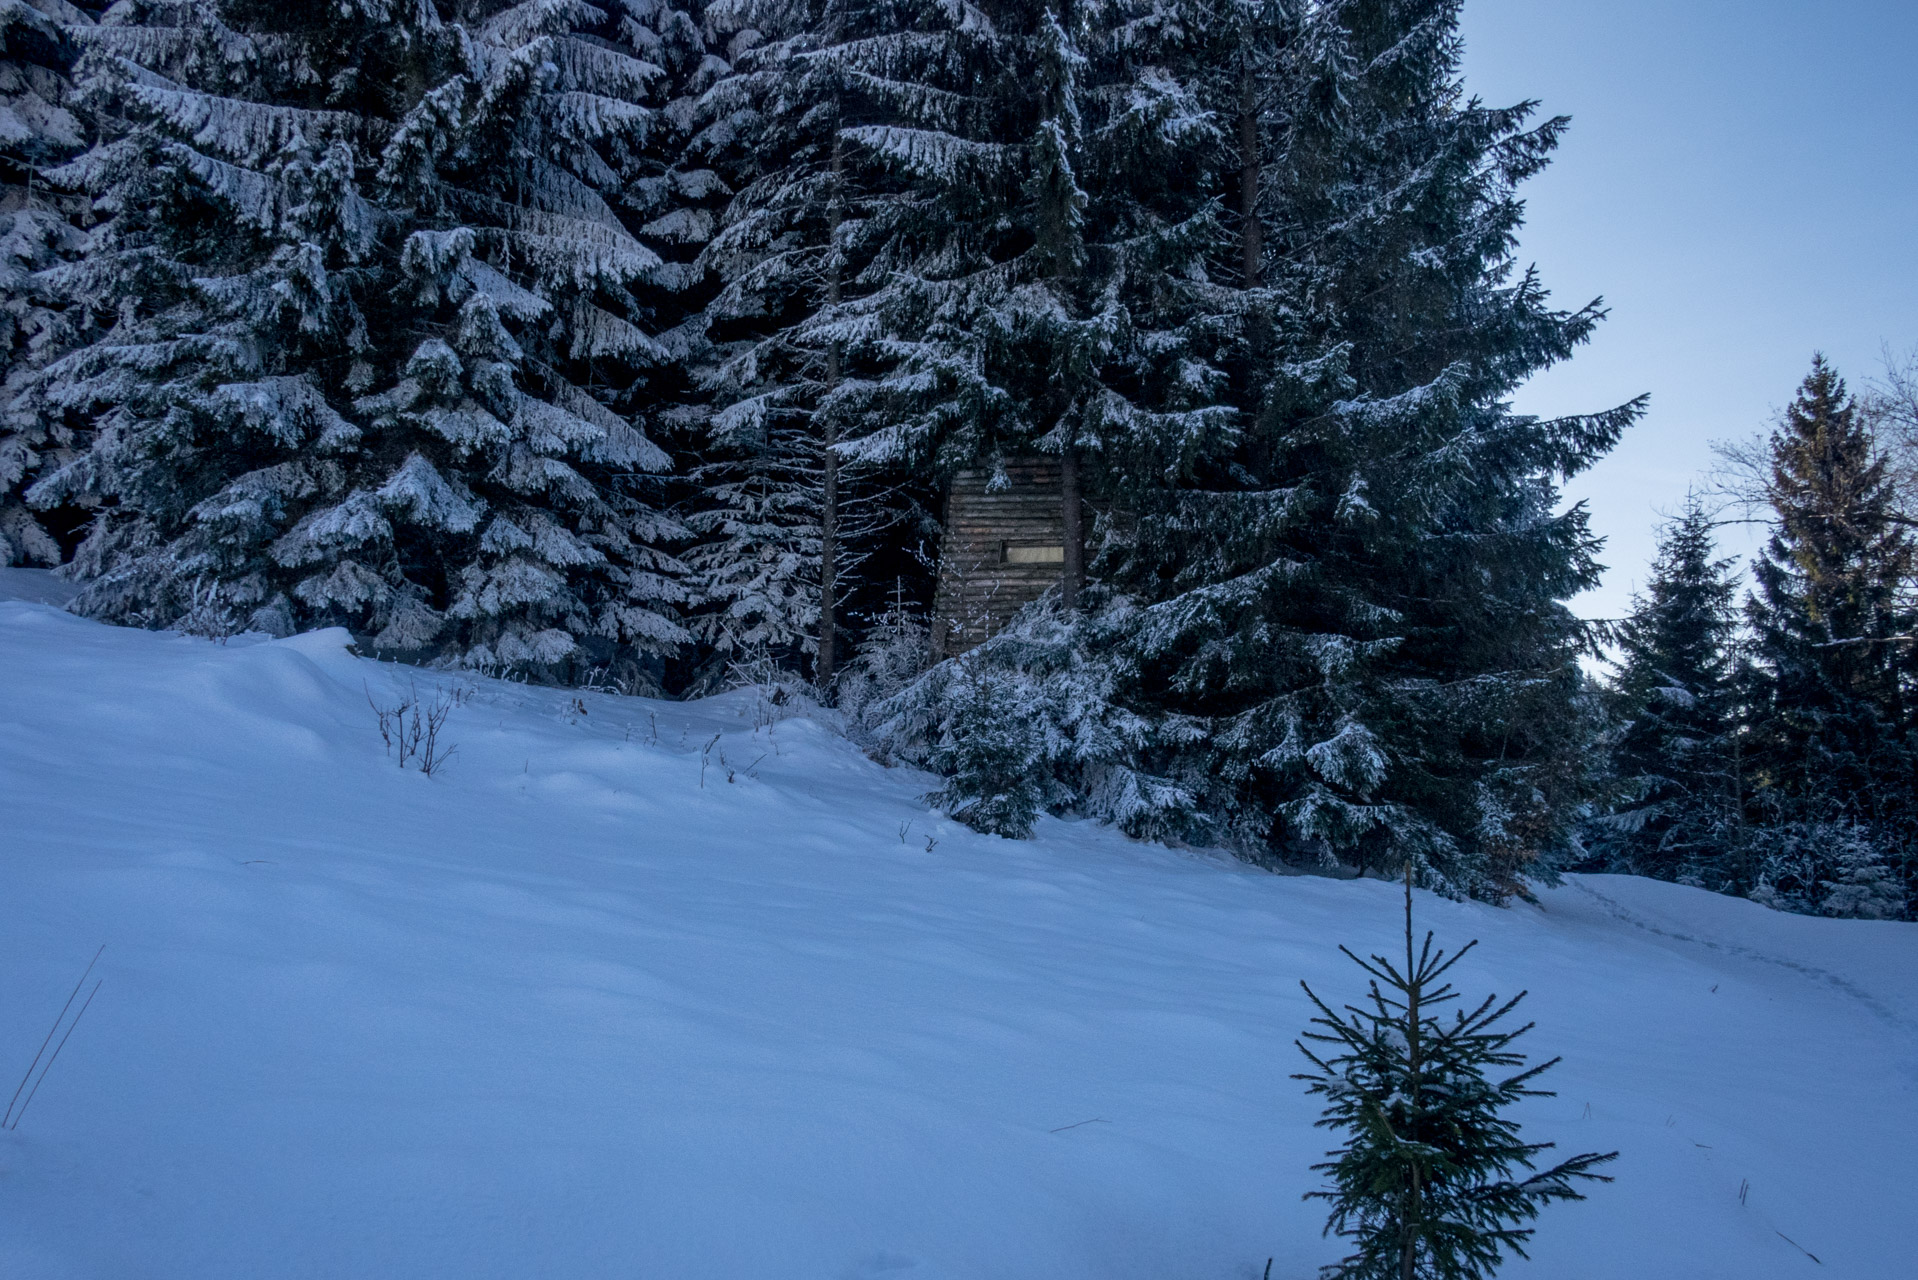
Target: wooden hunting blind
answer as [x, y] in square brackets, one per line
[1005, 545]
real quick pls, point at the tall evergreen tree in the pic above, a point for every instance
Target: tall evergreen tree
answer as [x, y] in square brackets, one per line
[377, 335]
[1332, 579]
[1677, 751]
[1050, 292]
[1361, 599]
[908, 278]
[1041, 297]
[39, 227]
[1833, 644]
[785, 525]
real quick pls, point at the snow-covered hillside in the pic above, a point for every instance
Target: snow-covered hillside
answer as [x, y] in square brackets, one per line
[596, 1001]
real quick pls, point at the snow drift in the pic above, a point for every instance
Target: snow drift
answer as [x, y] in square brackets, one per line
[636, 988]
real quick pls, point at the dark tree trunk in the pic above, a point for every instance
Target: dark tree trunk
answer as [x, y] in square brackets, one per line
[1414, 1208]
[1073, 510]
[1251, 247]
[829, 440]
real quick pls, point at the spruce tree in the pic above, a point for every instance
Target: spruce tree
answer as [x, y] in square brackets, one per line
[1044, 285]
[1433, 1182]
[1361, 596]
[40, 227]
[1833, 650]
[785, 525]
[1034, 721]
[1675, 696]
[1049, 291]
[911, 287]
[378, 344]
[1331, 576]
[1249, 70]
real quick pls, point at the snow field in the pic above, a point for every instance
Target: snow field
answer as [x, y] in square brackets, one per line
[560, 1010]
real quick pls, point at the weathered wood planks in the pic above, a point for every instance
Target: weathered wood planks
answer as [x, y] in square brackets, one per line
[980, 586]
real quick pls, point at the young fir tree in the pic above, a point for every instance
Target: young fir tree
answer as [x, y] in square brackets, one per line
[1677, 752]
[1033, 721]
[1362, 597]
[1833, 651]
[39, 227]
[373, 334]
[1433, 1181]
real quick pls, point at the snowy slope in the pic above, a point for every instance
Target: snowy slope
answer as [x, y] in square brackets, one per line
[563, 1011]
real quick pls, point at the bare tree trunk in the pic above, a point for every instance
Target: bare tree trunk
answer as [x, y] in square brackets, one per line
[829, 499]
[829, 548]
[1251, 247]
[1409, 1239]
[1073, 510]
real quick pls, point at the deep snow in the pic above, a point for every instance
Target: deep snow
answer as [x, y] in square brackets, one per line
[563, 1011]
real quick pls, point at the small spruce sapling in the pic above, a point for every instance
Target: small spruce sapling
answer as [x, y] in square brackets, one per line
[1432, 1182]
[990, 751]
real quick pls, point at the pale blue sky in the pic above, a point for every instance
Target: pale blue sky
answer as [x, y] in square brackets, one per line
[1741, 184]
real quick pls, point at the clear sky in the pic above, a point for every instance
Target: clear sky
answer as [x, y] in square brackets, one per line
[1740, 183]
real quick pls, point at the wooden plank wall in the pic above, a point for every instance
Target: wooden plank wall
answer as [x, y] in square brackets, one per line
[979, 590]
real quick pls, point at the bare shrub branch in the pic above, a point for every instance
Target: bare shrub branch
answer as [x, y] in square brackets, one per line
[411, 728]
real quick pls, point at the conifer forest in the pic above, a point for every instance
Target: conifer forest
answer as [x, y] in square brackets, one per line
[635, 345]
[957, 640]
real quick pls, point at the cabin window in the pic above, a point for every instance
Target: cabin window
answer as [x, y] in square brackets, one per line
[1034, 555]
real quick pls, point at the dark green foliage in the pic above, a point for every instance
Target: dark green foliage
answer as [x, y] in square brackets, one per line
[988, 746]
[1779, 763]
[375, 326]
[1361, 593]
[1029, 722]
[1433, 1182]
[1043, 272]
[40, 227]
[1828, 620]
[794, 544]
[1676, 753]
[1833, 649]
[1336, 552]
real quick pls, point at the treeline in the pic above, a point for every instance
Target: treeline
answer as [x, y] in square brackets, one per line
[631, 342]
[1769, 746]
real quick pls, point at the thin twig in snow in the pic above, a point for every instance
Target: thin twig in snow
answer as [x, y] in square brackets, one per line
[1801, 1248]
[34, 1092]
[50, 1030]
[1095, 1120]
